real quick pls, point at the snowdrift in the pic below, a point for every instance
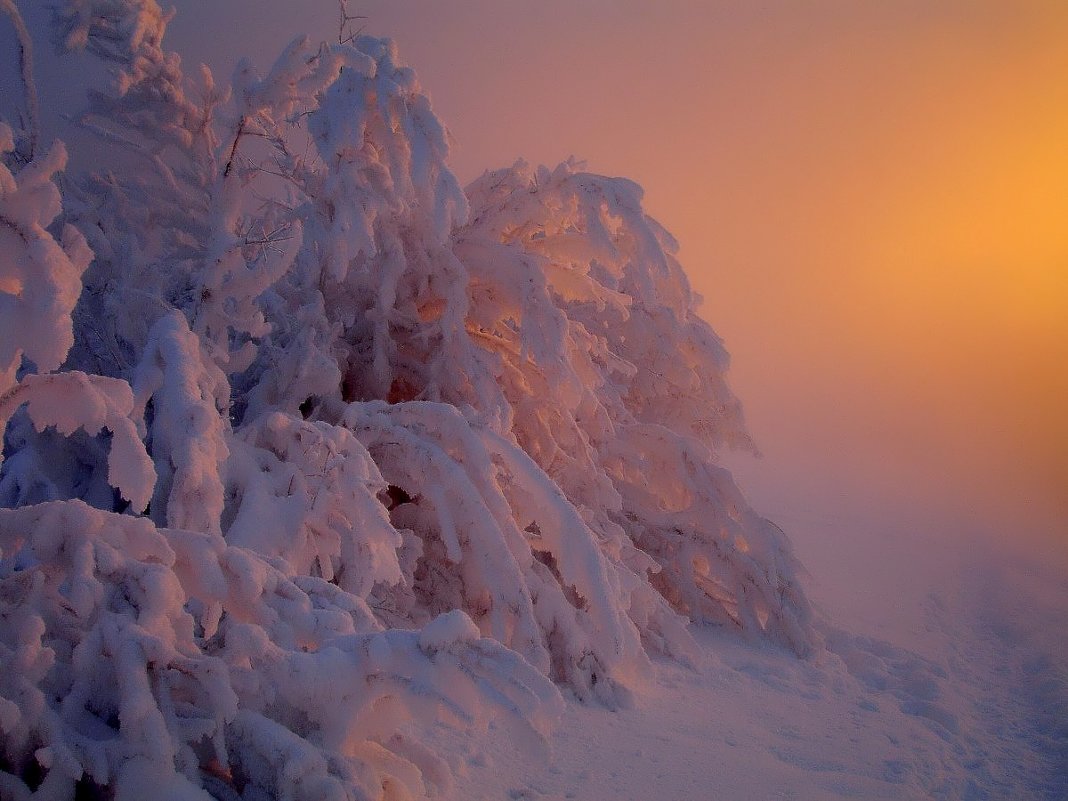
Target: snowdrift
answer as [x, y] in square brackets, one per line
[303, 441]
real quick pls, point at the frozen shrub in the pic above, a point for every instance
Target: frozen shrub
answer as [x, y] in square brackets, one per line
[329, 449]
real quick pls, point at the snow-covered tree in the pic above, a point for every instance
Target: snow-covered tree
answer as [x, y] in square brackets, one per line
[338, 445]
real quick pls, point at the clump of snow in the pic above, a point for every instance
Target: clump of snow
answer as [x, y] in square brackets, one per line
[447, 629]
[73, 400]
[40, 277]
[394, 452]
[186, 434]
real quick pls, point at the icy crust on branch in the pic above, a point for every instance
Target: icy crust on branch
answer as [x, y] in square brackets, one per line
[406, 452]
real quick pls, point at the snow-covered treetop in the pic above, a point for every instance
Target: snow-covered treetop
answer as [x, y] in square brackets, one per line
[303, 440]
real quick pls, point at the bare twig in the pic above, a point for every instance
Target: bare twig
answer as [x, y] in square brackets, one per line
[108, 135]
[345, 34]
[233, 146]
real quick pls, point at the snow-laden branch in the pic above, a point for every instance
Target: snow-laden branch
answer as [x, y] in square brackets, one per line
[186, 433]
[167, 663]
[73, 400]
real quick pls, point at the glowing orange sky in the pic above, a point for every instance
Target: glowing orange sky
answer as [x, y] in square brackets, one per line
[871, 196]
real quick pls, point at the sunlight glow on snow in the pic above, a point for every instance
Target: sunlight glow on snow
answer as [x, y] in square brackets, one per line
[870, 197]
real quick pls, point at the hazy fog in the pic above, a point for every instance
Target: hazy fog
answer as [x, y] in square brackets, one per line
[870, 197]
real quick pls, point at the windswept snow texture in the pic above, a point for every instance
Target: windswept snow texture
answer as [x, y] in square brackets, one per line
[319, 469]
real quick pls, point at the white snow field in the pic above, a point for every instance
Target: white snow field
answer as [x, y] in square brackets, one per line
[326, 479]
[978, 710]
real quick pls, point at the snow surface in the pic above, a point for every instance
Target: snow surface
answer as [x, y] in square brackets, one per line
[979, 710]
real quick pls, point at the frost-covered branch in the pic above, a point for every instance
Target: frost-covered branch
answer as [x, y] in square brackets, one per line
[159, 662]
[72, 400]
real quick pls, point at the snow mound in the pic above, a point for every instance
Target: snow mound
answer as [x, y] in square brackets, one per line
[448, 629]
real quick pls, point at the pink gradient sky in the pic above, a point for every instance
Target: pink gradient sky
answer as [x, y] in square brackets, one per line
[870, 196]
